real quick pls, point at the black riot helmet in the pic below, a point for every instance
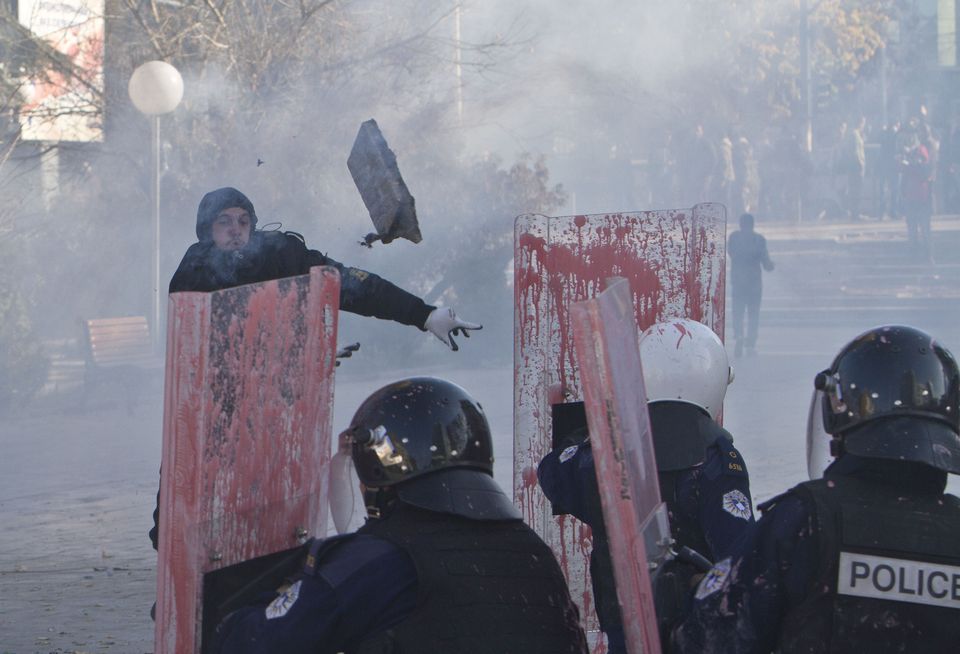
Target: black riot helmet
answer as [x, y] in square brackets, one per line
[893, 393]
[428, 441]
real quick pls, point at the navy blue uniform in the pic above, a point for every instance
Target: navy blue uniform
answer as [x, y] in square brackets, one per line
[709, 507]
[355, 591]
[713, 494]
[776, 593]
[417, 581]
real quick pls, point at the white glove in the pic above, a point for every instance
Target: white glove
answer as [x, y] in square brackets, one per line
[444, 324]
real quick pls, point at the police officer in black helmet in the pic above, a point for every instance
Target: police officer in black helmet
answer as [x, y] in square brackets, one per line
[443, 564]
[868, 557]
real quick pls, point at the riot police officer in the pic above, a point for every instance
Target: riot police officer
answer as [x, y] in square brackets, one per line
[444, 562]
[703, 478]
[867, 557]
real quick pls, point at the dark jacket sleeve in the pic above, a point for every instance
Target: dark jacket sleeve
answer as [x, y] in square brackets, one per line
[367, 294]
[740, 604]
[275, 255]
[359, 589]
[569, 480]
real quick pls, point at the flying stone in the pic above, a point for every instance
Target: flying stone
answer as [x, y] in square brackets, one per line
[373, 166]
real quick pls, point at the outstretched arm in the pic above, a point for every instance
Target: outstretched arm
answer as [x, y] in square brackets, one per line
[367, 294]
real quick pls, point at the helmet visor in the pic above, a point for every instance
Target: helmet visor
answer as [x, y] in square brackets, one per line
[818, 440]
[346, 507]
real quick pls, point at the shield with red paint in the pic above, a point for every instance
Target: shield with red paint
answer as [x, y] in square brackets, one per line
[674, 263]
[246, 434]
[608, 356]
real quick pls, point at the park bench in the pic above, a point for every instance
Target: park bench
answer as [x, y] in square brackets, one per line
[119, 352]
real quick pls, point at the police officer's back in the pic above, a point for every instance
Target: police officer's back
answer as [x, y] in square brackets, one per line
[703, 478]
[868, 557]
[443, 564]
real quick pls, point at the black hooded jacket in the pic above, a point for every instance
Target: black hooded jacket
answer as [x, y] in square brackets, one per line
[275, 255]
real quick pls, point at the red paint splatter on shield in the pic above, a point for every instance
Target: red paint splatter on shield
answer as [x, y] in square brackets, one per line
[674, 262]
[247, 420]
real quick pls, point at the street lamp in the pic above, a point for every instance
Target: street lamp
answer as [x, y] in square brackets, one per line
[155, 88]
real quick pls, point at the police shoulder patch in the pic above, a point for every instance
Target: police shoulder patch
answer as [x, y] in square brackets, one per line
[284, 602]
[568, 453]
[714, 580]
[733, 462]
[737, 504]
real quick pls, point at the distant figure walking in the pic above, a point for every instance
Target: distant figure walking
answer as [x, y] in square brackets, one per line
[748, 254]
[916, 195]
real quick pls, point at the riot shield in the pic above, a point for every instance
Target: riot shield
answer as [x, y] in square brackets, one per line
[608, 354]
[248, 402]
[674, 263]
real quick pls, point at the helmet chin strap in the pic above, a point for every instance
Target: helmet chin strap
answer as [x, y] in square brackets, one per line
[836, 447]
[379, 502]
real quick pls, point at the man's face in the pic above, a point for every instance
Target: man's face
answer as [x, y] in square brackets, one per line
[231, 229]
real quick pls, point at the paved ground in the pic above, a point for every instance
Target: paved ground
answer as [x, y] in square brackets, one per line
[77, 490]
[77, 486]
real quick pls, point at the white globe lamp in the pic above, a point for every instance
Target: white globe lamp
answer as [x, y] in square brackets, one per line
[156, 88]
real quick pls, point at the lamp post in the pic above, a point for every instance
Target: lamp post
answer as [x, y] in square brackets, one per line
[156, 88]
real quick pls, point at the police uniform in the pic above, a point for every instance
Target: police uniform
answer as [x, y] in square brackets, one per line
[444, 564]
[417, 581]
[703, 480]
[330, 606]
[709, 502]
[868, 557]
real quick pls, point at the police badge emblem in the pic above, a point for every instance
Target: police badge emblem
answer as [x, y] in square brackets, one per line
[279, 607]
[736, 504]
[568, 453]
[714, 580]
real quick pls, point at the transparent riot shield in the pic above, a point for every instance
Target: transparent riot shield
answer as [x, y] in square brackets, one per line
[608, 355]
[674, 263]
[248, 402]
[818, 440]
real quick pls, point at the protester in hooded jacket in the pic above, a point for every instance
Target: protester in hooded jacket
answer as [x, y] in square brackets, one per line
[230, 252]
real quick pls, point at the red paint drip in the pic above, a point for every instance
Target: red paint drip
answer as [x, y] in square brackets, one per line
[674, 261]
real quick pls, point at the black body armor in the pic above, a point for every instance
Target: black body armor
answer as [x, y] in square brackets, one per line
[889, 573]
[484, 588]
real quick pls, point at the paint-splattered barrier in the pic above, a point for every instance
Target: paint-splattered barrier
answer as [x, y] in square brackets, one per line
[608, 353]
[674, 263]
[246, 430]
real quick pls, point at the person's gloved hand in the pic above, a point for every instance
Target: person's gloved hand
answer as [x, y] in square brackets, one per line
[444, 324]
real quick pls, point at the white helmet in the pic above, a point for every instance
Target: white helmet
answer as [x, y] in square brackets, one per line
[684, 361]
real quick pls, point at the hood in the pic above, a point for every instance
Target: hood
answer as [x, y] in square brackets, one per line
[216, 201]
